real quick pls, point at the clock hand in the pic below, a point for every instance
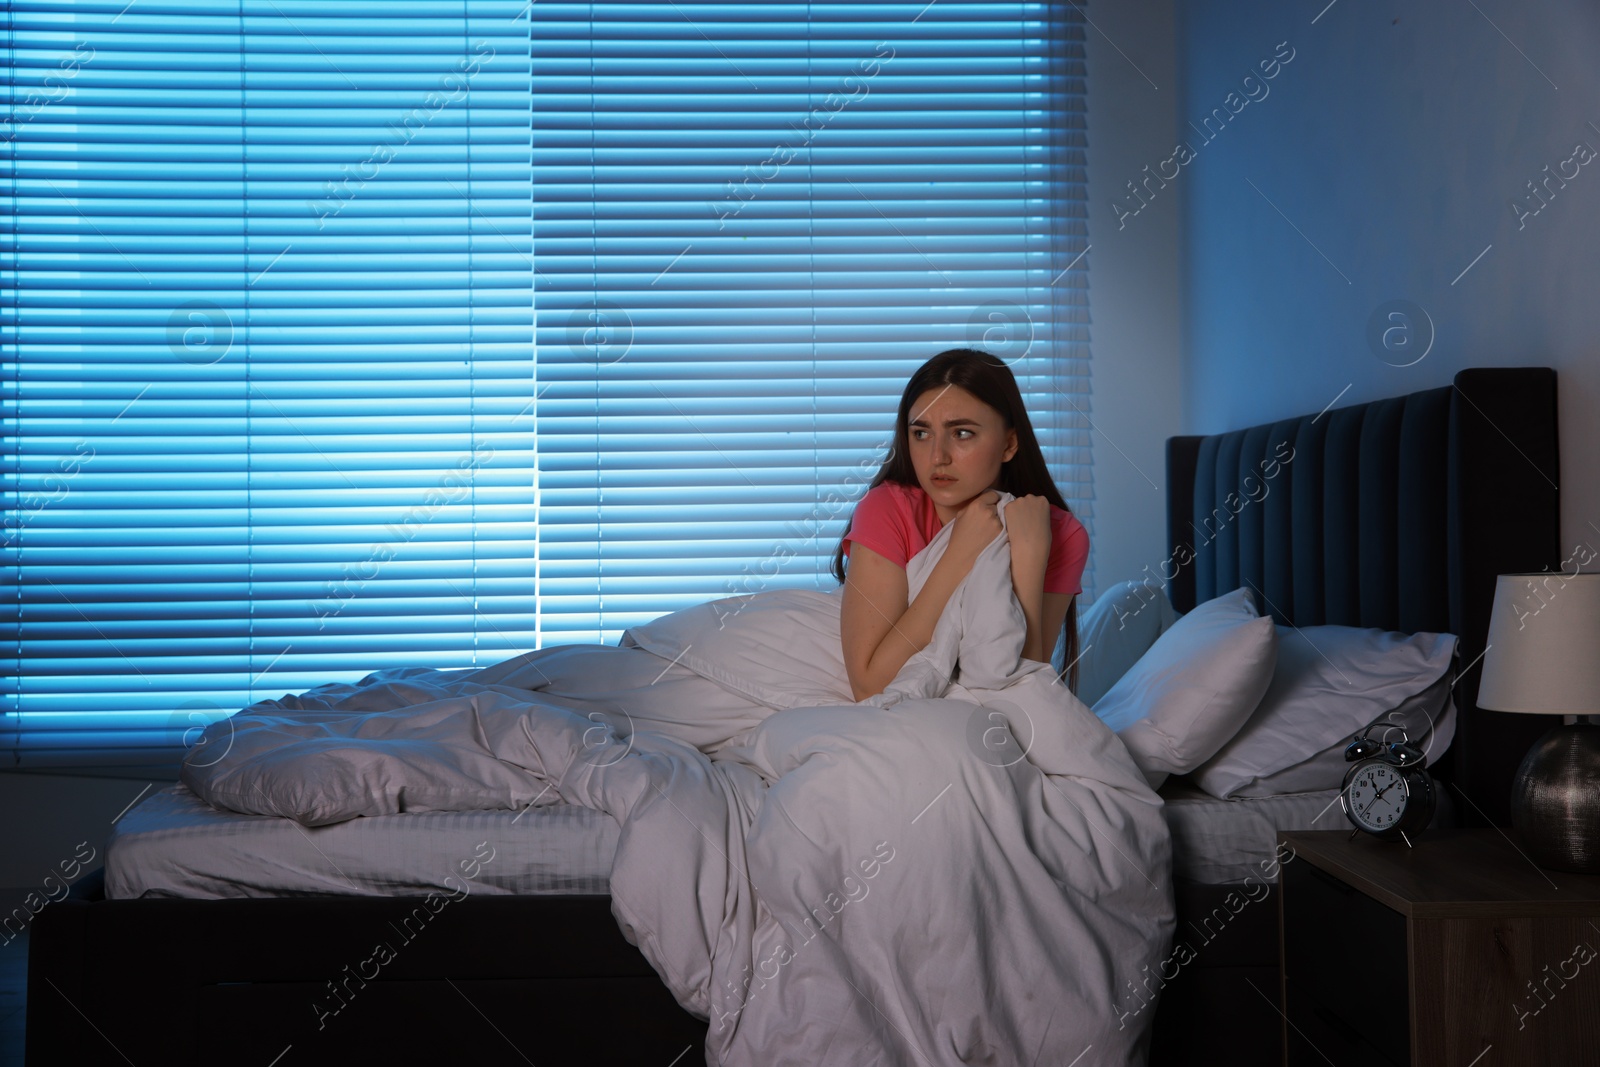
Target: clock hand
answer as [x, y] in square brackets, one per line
[1388, 787]
[1379, 795]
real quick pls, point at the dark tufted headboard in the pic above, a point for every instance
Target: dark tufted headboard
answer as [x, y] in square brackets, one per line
[1396, 514]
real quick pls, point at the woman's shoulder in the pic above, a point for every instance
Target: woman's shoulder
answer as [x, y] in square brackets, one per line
[1063, 517]
[889, 520]
[1065, 527]
[894, 498]
[897, 492]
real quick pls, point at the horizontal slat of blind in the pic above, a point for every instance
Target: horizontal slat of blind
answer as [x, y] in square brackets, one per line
[752, 223]
[268, 344]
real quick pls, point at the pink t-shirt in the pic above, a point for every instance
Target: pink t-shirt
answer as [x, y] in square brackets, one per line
[897, 521]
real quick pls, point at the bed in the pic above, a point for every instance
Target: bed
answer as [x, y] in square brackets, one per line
[536, 969]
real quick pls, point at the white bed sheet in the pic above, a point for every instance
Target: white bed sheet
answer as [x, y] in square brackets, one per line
[173, 844]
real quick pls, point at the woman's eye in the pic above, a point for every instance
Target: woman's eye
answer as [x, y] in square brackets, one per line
[919, 435]
[963, 434]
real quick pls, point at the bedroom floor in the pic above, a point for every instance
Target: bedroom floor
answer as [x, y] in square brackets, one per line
[13, 997]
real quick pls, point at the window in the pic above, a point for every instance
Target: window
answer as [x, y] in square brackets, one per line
[308, 372]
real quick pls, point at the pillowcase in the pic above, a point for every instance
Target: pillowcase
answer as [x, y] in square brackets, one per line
[1330, 683]
[1195, 687]
[779, 647]
[1113, 632]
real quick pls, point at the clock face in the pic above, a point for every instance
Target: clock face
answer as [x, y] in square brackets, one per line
[1377, 796]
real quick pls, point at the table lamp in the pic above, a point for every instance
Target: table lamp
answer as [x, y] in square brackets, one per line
[1544, 659]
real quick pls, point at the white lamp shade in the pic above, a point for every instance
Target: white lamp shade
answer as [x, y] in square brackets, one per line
[1544, 645]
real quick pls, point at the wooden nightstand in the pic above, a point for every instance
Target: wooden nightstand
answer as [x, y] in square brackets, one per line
[1458, 953]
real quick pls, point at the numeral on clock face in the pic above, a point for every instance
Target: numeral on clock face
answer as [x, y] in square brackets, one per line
[1378, 797]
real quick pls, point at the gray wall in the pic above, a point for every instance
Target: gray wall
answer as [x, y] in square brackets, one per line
[1382, 161]
[1134, 285]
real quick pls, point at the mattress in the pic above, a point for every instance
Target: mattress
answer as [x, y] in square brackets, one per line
[173, 844]
[1216, 842]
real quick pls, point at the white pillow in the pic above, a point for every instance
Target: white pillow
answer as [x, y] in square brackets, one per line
[1330, 683]
[1113, 632]
[1195, 687]
[779, 647]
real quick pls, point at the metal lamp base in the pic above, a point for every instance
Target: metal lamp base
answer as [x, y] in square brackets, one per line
[1555, 799]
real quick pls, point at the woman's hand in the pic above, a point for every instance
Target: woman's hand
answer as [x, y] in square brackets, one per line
[977, 525]
[1028, 529]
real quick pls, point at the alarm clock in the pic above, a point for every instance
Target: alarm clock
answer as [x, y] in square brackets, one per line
[1387, 791]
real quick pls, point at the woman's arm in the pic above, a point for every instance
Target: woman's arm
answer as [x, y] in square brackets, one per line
[1055, 616]
[880, 631]
[1028, 530]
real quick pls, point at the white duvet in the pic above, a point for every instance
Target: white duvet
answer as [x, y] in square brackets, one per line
[967, 869]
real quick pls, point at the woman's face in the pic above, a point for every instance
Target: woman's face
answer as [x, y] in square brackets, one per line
[957, 443]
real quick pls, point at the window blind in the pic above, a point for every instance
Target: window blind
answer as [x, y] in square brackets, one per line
[752, 222]
[277, 408]
[267, 357]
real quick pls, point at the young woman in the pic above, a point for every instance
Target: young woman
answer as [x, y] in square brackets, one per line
[961, 433]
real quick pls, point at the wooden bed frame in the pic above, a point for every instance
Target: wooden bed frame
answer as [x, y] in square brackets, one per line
[1436, 493]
